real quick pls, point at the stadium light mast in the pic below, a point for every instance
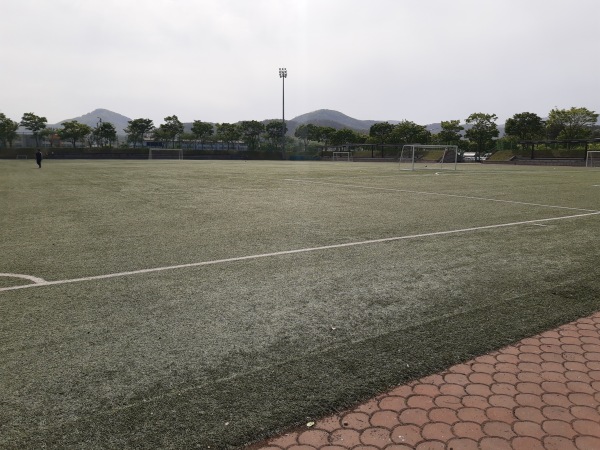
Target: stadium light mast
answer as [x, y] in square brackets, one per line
[283, 76]
[98, 133]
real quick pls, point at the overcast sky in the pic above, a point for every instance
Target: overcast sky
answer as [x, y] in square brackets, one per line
[219, 60]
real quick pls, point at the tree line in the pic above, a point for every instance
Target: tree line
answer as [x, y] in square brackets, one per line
[478, 134]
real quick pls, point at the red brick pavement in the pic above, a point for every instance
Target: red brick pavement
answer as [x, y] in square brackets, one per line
[542, 393]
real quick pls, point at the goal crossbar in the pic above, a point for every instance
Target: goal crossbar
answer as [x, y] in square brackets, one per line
[178, 151]
[341, 156]
[439, 156]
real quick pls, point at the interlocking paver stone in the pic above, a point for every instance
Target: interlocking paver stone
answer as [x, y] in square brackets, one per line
[437, 431]
[345, 438]
[471, 430]
[448, 401]
[393, 403]
[540, 394]
[587, 427]
[475, 401]
[416, 416]
[445, 415]
[530, 429]
[316, 438]
[500, 414]
[377, 437]
[526, 443]
[385, 419]
[455, 390]
[478, 389]
[586, 412]
[407, 434]
[587, 442]
[553, 372]
[420, 401]
[429, 390]
[482, 378]
[494, 443]
[557, 413]
[472, 415]
[558, 443]
[356, 421]
[507, 401]
[431, 445]
[462, 444]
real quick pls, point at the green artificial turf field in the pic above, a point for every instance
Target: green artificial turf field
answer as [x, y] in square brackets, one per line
[183, 304]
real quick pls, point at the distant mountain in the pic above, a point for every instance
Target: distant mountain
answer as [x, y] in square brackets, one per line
[321, 117]
[335, 119]
[93, 118]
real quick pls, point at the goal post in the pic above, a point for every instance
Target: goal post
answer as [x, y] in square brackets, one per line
[341, 156]
[592, 158]
[413, 156]
[165, 153]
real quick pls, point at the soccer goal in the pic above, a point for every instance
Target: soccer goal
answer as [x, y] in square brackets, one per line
[592, 158]
[419, 156]
[21, 156]
[165, 153]
[341, 156]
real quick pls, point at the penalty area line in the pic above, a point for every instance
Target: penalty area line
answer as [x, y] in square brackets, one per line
[297, 251]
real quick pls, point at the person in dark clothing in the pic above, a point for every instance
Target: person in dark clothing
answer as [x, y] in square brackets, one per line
[38, 158]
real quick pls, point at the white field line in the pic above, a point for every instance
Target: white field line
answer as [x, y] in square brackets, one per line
[438, 194]
[27, 277]
[291, 252]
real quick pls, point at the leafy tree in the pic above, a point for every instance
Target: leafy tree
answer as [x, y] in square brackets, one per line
[525, 126]
[202, 130]
[35, 124]
[324, 135]
[483, 130]
[275, 130]
[187, 137]
[307, 132]
[228, 132]
[172, 128]
[161, 135]
[407, 132]
[49, 134]
[137, 128]
[74, 131]
[450, 133]
[250, 131]
[8, 130]
[381, 132]
[574, 123]
[105, 134]
[347, 136]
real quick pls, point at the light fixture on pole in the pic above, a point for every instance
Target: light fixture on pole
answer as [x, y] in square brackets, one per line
[283, 76]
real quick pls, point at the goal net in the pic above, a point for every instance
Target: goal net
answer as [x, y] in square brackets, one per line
[341, 156]
[165, 153]
[420, 156]
[592, 158]
[21, 156]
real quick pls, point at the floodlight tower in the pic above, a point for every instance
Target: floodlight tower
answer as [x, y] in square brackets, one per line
[283, 76]
[98, 131]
